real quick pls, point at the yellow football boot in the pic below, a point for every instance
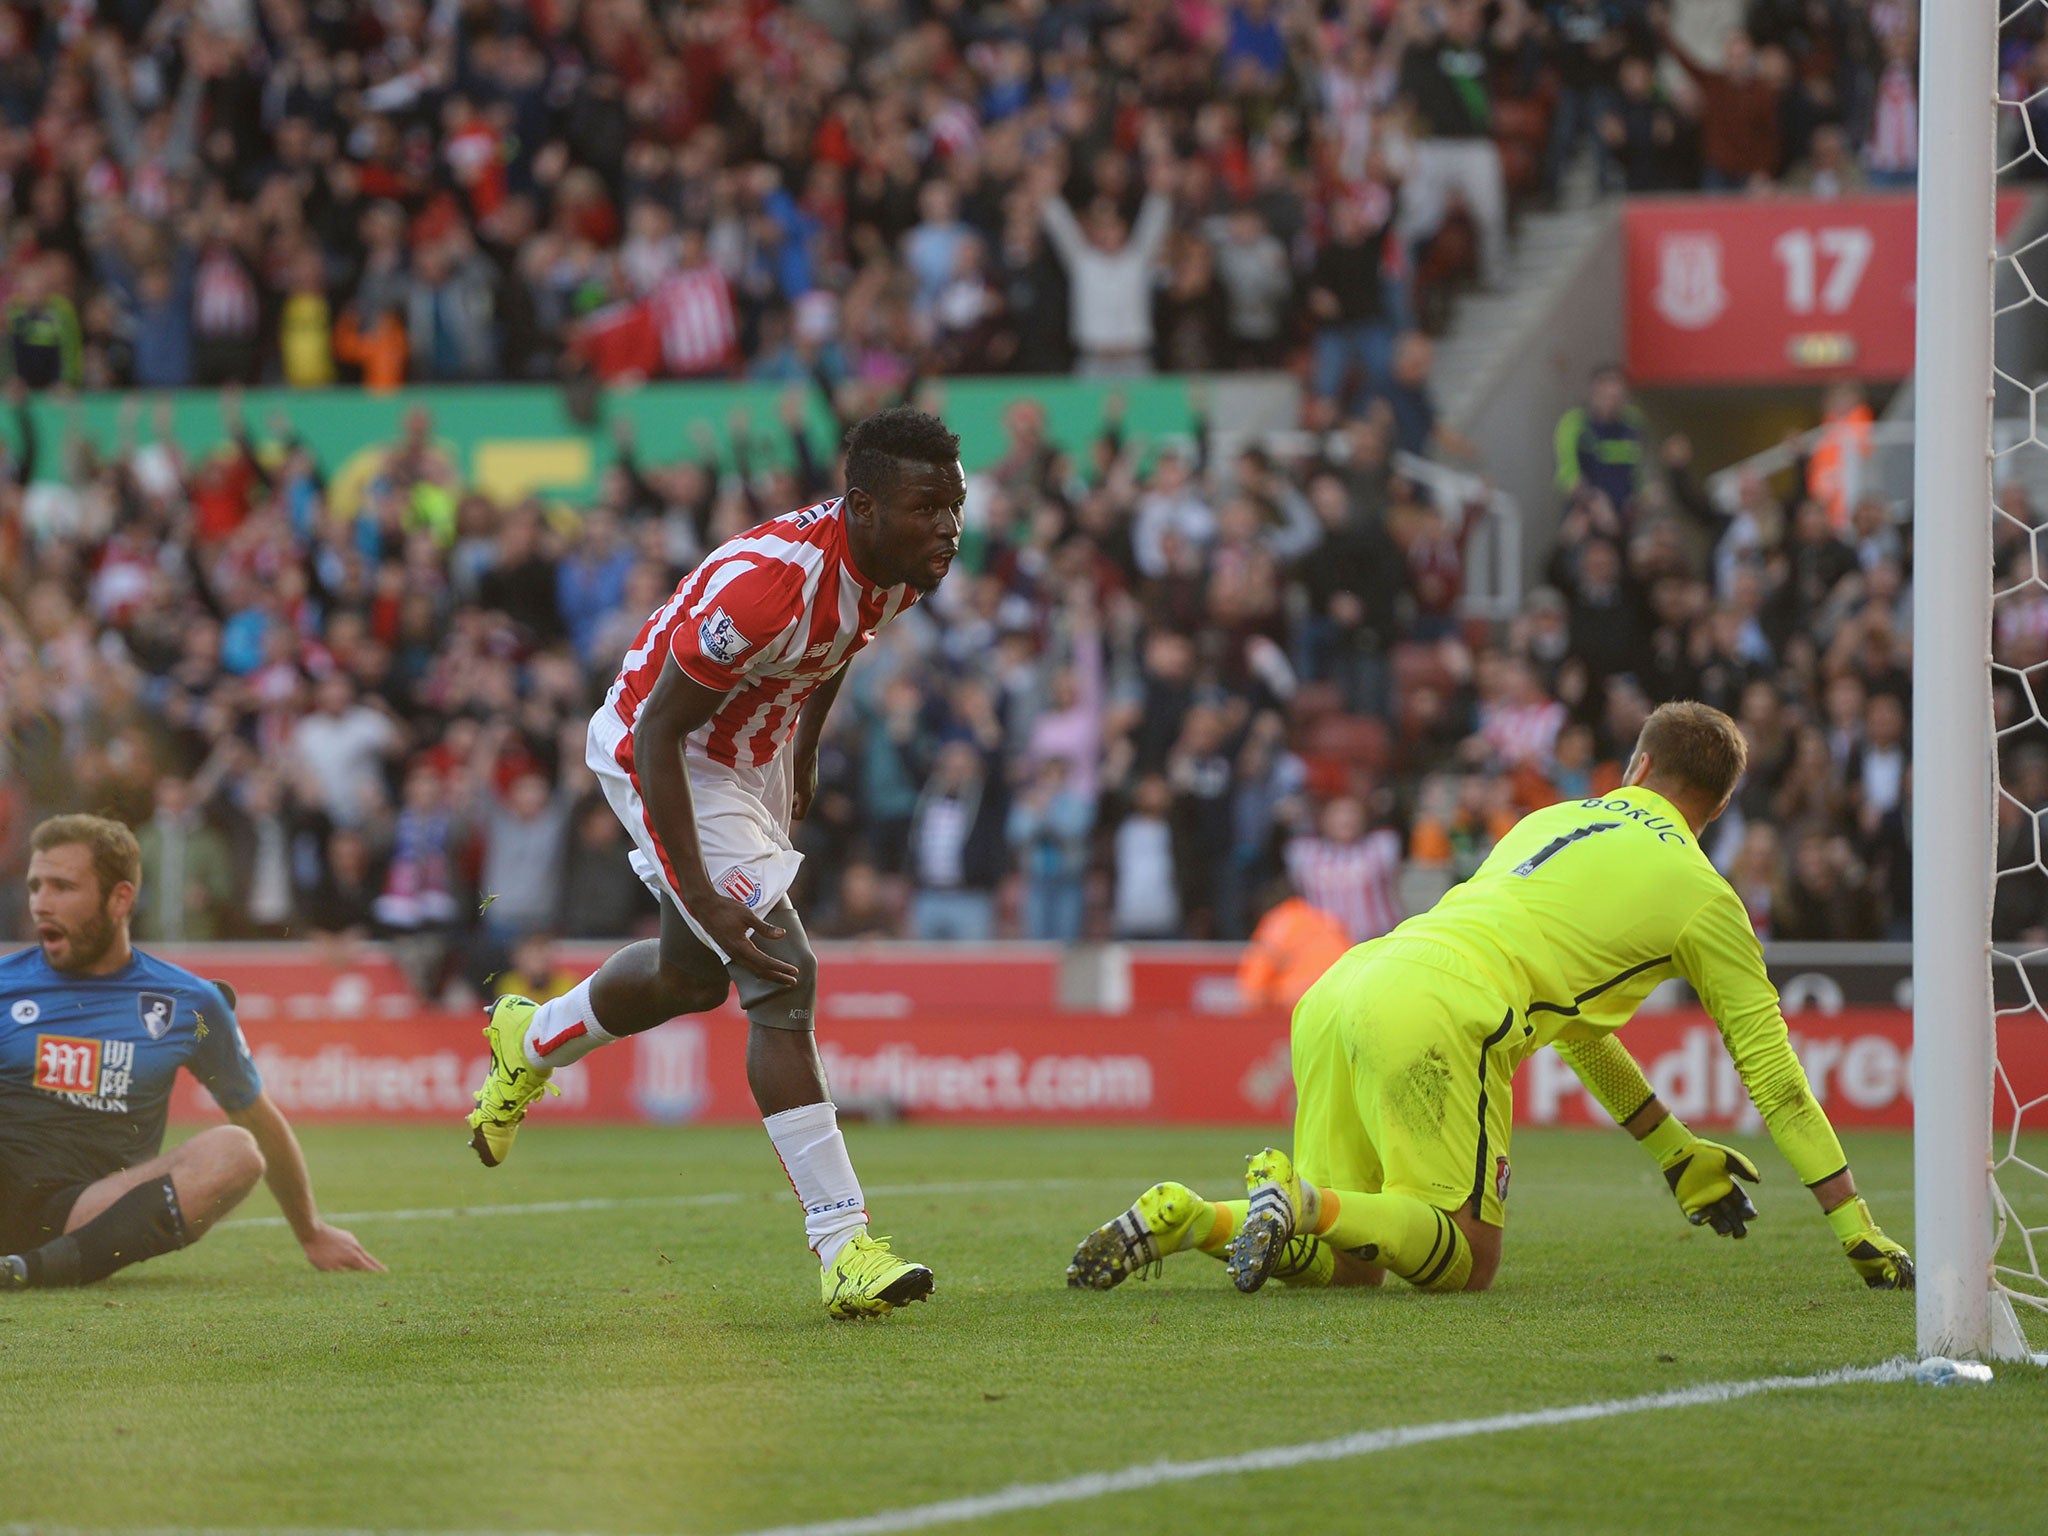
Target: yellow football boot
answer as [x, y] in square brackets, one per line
[867, 1280]
[1261, 1244]
[1137, 1242]
[513, 1083]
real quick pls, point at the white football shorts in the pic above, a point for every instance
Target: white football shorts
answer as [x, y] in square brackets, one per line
[742, 822]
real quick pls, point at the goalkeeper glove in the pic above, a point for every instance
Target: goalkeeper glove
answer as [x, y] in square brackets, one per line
[1702, 1175]
[1883, 1264]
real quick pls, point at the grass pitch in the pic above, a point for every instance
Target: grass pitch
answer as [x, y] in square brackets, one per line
[662, 1364]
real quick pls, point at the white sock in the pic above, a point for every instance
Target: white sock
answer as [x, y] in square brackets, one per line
[814, 1156]
[564, 1030]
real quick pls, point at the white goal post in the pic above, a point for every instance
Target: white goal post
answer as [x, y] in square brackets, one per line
[1960, 1308]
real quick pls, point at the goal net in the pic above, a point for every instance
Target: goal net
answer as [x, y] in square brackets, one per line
[2019, 674]
[1980, 682]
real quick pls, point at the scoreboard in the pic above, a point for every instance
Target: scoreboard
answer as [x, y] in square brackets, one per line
[1776, 290]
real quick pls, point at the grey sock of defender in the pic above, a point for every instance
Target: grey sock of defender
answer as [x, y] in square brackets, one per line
[140, 1225]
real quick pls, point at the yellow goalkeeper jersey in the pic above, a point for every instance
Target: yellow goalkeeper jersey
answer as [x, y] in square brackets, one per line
[1585, 906]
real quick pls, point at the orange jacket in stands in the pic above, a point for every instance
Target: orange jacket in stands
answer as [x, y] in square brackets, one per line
[1290, 949]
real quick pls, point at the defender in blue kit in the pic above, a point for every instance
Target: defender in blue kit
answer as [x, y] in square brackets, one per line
[92, 1034]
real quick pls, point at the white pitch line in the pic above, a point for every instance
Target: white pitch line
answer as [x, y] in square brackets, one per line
[630, 1202]
[716, 1197]
[535, 1208]
[1094, 1485]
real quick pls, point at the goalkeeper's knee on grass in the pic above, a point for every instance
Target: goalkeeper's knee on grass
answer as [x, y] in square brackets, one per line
[1412, 1238]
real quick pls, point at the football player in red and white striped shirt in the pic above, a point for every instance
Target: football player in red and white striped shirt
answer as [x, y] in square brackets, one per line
[707, 747]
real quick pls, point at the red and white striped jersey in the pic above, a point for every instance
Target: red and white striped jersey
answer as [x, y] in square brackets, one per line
[1353, 882]
[1895, 125]
[694, 315]
[766, 618]
[224, 297]
[1523, 735]
[954, 129]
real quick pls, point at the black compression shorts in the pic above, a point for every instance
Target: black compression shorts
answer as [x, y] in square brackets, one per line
[34, 1205]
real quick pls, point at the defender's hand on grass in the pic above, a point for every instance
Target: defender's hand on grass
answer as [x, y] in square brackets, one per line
[1702, 1177]
[731, 925]
[332, 1248]
[1883, 1264]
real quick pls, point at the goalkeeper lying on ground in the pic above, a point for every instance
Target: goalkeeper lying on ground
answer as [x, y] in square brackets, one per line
[1405, 1051]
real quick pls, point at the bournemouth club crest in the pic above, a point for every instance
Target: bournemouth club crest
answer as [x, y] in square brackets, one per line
[157, 1011]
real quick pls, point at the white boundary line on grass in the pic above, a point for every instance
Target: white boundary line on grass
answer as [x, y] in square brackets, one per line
[631, 1202]
[1156, 1474]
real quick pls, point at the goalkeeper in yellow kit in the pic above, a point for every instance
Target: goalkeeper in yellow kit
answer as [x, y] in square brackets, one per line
[1405, 1051]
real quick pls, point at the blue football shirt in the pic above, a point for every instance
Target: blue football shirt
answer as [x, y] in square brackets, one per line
[87, 1062]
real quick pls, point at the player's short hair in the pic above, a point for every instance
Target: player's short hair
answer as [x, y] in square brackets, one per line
[116, 856]
[879, 447]
[1697, 745]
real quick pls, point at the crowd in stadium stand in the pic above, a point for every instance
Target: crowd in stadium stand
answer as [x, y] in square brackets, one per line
[1158, 692]
[283, 191]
